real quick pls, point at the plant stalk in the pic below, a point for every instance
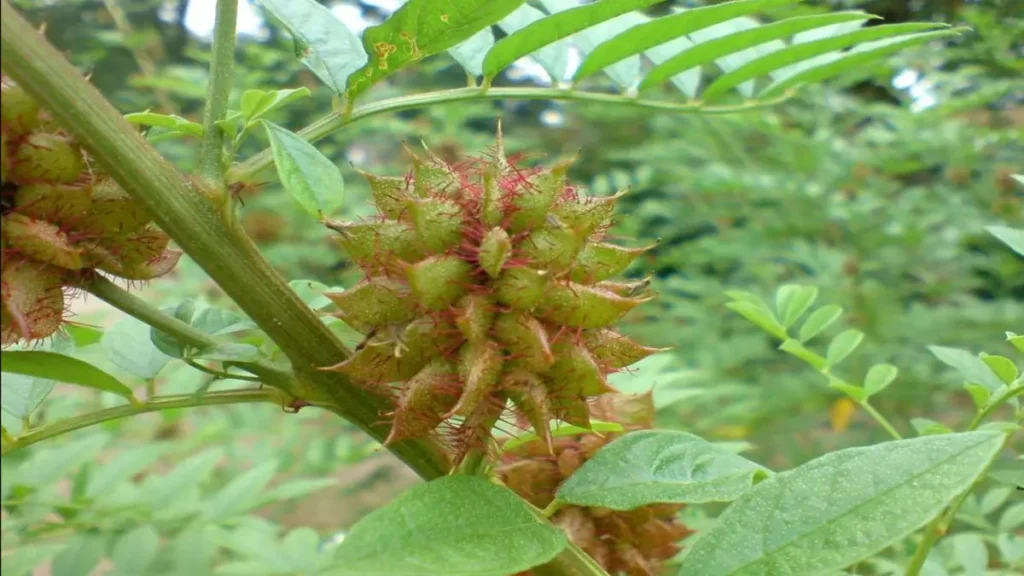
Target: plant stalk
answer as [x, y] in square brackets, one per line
[246, 171]
[182, 209]
[266, 395]
[269, 372]
[222, 68]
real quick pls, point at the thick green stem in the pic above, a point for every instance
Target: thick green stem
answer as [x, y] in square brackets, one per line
[157, 404]
[245, 171]
[1016, 389]
[211, 151]
[183, 210]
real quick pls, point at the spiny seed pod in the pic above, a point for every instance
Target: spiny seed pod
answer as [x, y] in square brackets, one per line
[634, 542]
[486, 283]
[61, 220]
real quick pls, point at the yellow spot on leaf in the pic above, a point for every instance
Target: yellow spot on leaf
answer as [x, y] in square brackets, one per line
[840, 414]
[444, 18]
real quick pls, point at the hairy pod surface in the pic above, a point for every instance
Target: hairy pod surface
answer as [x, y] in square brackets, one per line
[496, 269]
[61, 220]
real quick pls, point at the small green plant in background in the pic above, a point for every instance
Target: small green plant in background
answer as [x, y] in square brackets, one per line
[484, 317]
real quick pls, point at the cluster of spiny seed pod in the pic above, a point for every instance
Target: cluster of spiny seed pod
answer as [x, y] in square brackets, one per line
[635, 542]
[61, 219]
[486, 283]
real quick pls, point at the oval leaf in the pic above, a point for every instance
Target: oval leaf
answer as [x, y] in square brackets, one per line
[326, 46]
[879, 377]
[311, 179]
[760, 315]
[652, 466]
[461, 525]
[842, 507]
[792, 301]
[554, 28]
[1012, 237]
[971, 367]
[62, 369]
[821, 319]
[842, 346]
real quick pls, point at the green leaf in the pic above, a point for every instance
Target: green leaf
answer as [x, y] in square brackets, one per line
[421, 28]
[1001, 366]
[804, 51]
[218, 321]
[83, 336]
[562, 430]
[928, 427]
[841, 62]
[842, 346]
[624, 73]
[792, 301]
[971, 367]
[136, 550]
[295, 489]
[161, 491]
[241, 494]
[21, 395]
[1012, 518]
[49, 466]
[325, 45]
[995, 498]
[971, 552]
[129, 345]
[738, 40]
[311, 179]
[81, 556]
[879, 377]
[470, 53]
[979, 394]
[667, 28]
[554, 58]
[62, 368]
[495, 534]
[1010, 473]
[165, 342]
[1012, 237]
[194, 550]
[259, 103]
[105, 479]
[652, 466]
[311, 292]
[760, 315]
[1015, 340]
[818, 321]
[545, 31]
[171, 122]
[842, 507]
[24, 559]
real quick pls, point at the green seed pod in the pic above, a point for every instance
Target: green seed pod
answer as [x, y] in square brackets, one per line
[474, 316]
[552, 247]
[45, 157]
[494, 270]
[438, 223]
[40, 240]
[439, 281]
[389, 194]
[582, 306]
[480, 367]
[63, 204]
[114, 211]
[376, 246]
[32, 300]
[376, 302]
[494, 251]
[521, 288]
[526, 340]
[576, 366]
[424, 401]
[614, 350]
[597, 262]
[19, 113]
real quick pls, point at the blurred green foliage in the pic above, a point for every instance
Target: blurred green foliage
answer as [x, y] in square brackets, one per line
[878, 192]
